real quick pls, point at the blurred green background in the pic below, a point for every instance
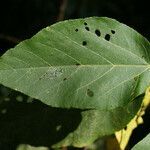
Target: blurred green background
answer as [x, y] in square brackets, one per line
[21, 19]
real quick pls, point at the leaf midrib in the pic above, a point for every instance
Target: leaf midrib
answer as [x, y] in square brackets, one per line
[58, 66]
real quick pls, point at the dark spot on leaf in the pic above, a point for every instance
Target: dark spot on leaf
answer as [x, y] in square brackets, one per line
[85, 23]
[90, 93]
[40, 78]
[87, 28]
[77, 64]
[112, 31]
[125, 128]
[136, 78]
[76, 30]
[84, 43]
[65, 79]
[97, 32]
[143, 56]
[107, 37]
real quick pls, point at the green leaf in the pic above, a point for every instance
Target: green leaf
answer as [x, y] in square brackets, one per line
[84, 63]
[144, 144]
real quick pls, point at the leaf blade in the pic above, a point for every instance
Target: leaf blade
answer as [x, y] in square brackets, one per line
[55, 67]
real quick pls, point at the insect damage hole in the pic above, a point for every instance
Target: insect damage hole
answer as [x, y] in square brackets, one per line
[87, 28]
[90, 93]
[125, 128]
[64, 79]
[97, 32]
[76, 30]
[107, 37]
[113, 32]
[84, 43]
[85, 23]
[78, 64]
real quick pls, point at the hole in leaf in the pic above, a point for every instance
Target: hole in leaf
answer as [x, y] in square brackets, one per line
[85, 23]
[77, 64]
[87, 28]
[84, 43]
[90, 93]
[97, 32]
[65, 79]
[76, 30]
[125, 128]
[107, 37]
[112, 31]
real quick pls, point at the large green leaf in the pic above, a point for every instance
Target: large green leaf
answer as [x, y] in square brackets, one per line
[144, 144]
[84, 63]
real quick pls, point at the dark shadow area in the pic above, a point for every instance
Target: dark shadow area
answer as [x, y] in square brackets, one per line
[4, 45]
[34, 123]
[23, 18]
